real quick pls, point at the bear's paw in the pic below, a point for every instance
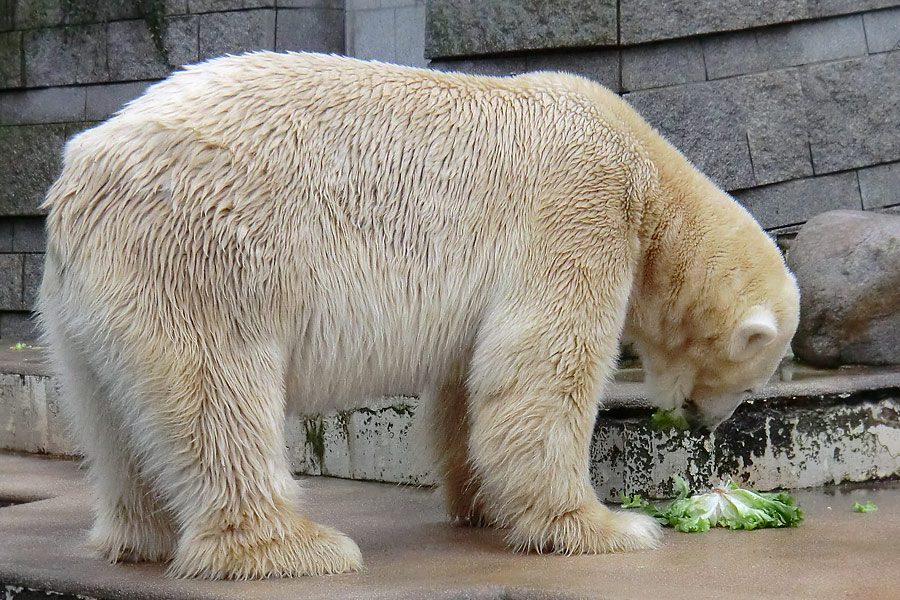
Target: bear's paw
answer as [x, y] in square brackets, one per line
[131, 537]
[590, 529]
[302, 548]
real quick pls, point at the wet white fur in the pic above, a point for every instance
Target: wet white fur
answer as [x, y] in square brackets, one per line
[299, 231]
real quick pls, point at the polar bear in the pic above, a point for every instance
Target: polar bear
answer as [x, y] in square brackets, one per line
[297, 231]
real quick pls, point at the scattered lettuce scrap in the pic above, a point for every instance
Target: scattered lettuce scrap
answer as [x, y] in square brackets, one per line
[664, 420]
[726, 506]
[20, 346]
[869, 506]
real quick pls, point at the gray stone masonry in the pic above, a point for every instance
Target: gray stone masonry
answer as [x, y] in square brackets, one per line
[18, 326]
[658, 65]
[65, 55]
[38, 147]
[649, 20]
[458, 28]
[784, 46]
[102, 101]
[311, 29]
[882, 30]
[11, 297]
[47, 105]
[236, 32]
[798, 200]
[10, 59]
[742, 132]
[464, 27]
[136, 56]
[853, 107]
[880, 185]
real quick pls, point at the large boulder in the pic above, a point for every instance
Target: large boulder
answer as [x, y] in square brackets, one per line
[848, 266]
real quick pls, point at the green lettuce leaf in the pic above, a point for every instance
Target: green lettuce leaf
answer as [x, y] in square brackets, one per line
[664, 420]
[869, 506]
[727, 506]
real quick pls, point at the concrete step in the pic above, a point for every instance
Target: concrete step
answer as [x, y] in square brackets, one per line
[807, 428]
[411, 552]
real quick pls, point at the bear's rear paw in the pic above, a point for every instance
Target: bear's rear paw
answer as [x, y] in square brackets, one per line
[590, 529]
[133, 539]
[301, 548]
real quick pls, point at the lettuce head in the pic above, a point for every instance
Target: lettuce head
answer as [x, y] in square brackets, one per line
[726, 506]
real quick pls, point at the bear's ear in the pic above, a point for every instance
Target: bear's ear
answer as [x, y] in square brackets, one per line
[758, 329]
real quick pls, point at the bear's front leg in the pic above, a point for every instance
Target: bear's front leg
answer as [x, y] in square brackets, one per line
[535, 379]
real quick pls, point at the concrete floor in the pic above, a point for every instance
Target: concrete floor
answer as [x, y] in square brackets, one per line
[410, 552]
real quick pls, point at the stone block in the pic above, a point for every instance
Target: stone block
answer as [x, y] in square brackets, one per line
[847, 264]
[176, 7]
[410, 27]
[104, 100]
[657, 65]
[181, 40]
[133, 53]
[649, 20]
[29, 235]
[29, 404]
[32, 157]
[784, 46]
[6, 234]
[18, 326]
[310, 29]
[600, 65]
[7, 14]
[337, 4]
[371, 34]
[882, 30]
[34, 14]
[65, 55]
[47, 105]
[799, 200]
[11, 59]
[776, 128]
[880, 185]
[726, 127]
[373, 442]
[31, 282]
[205, 6]
[827, 8]
[853, 112]
[458, 28]
[236, 32]
[11, 272]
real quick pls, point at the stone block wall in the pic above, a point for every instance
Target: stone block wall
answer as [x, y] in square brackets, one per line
[792, 105]
[387, 30]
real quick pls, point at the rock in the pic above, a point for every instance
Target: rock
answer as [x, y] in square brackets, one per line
[848, 266]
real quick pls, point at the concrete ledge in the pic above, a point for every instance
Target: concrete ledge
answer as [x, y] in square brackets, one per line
[411, 552]
[809, 427]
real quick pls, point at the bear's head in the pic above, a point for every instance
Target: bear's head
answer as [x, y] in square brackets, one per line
[713, 308]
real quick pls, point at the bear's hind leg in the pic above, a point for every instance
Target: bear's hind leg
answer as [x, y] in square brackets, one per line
[130, 523]
[448, 428]
[222, 459]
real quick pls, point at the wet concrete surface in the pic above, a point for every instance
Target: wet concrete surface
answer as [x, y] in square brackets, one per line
[411, 552]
